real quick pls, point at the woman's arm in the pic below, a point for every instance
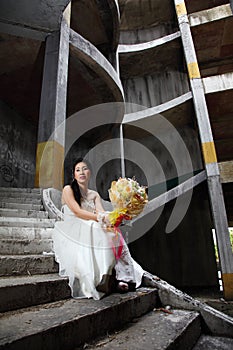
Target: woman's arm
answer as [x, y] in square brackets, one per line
[68, 198]
[103, 215]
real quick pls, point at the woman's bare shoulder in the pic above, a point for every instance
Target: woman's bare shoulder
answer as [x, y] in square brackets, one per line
[66, 193]
[93, 193]
[67, 188]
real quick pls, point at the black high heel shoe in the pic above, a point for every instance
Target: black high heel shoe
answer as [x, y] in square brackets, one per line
[124, 287]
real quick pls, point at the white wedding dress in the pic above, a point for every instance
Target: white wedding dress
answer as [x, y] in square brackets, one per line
[84, 252]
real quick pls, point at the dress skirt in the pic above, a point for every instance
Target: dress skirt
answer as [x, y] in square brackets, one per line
[85, 254]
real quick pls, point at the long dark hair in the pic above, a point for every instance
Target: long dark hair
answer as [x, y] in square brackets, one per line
[74, 184]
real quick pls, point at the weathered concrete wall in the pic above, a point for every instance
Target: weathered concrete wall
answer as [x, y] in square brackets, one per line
[137, 36]
[17, 149]
[161, 153]
[152, 90]
[83, 145]
[185, 257]
[45, 15]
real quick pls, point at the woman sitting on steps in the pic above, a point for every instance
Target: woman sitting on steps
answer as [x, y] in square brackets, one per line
[85, 250]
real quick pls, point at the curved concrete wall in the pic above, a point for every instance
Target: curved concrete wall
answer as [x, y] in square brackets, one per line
[93, 58]
[165, 83]
[153, 90]
[137, 36]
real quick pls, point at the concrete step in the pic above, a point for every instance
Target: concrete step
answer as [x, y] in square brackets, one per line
[21, 206]
[13, 265]
[24, 199]
[25, 291]
[25, 246]
[18, 190]
[20, 194]
[208, 342]
[156, 331]
[26, 222]
[69, 323]
[5, 212]
[29, 233]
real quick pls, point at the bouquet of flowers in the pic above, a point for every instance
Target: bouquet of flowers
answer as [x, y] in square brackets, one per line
[128, 199]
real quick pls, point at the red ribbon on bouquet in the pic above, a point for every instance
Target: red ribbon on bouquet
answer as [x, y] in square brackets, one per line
[116, 218]
[117, 252]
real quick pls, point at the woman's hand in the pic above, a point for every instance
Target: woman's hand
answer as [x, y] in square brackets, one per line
[106, 219]
[103, 218]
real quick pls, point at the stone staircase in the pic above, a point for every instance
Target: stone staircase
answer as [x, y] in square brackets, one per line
[24, 234]
[38, 313]
[27, 266]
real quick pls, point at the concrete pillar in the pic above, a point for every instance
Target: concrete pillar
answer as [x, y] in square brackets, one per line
[208, 151]
[51, 139]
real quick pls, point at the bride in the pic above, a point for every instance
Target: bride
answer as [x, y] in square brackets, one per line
[86, 250]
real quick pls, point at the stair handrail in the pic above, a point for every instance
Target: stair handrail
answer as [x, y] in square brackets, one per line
[171, 194]
[51, 199]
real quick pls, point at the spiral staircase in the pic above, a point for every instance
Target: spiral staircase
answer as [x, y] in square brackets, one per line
[54, 65]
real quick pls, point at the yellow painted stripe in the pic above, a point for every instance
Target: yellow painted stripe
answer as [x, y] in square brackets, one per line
[193, 70]
[209, 152]
[227, 279]
[181, 9]
[49, 165]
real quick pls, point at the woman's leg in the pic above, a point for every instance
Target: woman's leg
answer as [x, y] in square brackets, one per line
[127, 269]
